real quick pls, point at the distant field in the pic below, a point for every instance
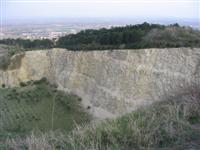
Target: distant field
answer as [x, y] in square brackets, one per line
[33, 106]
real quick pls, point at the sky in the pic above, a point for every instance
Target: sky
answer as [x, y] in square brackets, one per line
[39, 9]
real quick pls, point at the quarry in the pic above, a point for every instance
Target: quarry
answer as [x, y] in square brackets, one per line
[110, 82]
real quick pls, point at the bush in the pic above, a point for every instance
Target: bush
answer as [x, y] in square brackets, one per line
[22, 84]
[42, 80]
[3, 85]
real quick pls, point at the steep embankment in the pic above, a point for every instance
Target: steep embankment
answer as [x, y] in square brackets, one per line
[111, 82]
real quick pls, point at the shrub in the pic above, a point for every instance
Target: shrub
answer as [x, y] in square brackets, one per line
[42, 80]
[3, 85]
[22, 84]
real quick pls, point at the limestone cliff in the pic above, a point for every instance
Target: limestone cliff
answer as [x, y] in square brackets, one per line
[111, 82]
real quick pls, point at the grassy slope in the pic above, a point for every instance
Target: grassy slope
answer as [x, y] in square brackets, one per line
[30, 107]
[166, 125]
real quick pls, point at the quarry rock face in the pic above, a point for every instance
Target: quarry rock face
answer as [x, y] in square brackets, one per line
[110, 82]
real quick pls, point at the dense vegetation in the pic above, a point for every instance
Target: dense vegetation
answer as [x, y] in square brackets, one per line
[38, 105]
[28, 44]
[118, 37]
[129, 37]
[132, 37]
[172, 124]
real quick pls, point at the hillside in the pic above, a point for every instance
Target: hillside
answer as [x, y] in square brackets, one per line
[168, 125]
[128, 37]
[38, 105]
[132, 37]
[111, 84]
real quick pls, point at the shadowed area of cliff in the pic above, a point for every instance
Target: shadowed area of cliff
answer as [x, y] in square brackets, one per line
[4, 58]
[7, 58]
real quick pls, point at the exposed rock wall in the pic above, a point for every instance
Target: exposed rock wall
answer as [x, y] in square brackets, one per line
[111, 82]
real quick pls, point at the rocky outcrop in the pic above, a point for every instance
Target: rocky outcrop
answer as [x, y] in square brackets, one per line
[110, 82]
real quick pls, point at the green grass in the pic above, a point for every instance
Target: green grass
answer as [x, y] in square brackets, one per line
[33, 106]
[166, 125]
[172, 124]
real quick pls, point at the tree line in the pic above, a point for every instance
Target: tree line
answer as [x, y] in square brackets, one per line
[131, 36]
[28, 44]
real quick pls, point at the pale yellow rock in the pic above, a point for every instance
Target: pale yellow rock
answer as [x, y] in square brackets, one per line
[111, 82]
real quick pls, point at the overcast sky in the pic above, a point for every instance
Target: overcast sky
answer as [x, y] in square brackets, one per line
[31, 9]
